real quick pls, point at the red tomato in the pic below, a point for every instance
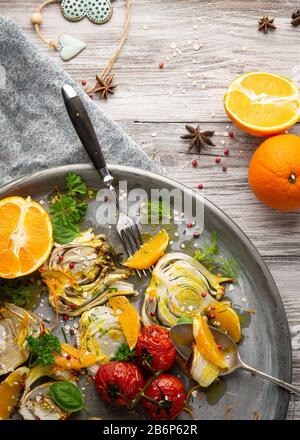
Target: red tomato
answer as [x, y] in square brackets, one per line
[155, 348]
[118, 382]
[169, 393]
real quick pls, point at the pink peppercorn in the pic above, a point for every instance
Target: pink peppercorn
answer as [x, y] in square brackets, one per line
[212, 308]
[200, 186]
[150, 300]
[220, 346]
[226, 152]
[71, 265]
[231, 135]
[218, 159]
[161, 65]
[72, 332]
[152, 314]
[60, 258]
[196, 234]
[189, 225]
[83, 82]
[203, 294]
[65, 318]
[68, 357]
[194, 163]
[212, 316]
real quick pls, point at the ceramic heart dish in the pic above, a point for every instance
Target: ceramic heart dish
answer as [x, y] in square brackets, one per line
[98, 11]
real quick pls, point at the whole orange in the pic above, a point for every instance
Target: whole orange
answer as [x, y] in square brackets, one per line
[274, 172]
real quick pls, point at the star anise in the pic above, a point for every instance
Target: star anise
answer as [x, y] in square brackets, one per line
[296, 18]
[199, 139]
[105, 86]
[265, 24]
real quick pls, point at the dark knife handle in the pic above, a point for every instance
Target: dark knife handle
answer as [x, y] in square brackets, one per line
[85, 130]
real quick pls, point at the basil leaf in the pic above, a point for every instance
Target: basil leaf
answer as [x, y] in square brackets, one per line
[67, 396]
[64, 233]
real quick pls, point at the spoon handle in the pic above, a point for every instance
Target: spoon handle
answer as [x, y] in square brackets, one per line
[266, 376]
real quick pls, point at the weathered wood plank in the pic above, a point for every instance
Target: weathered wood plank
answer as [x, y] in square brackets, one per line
[231, 45]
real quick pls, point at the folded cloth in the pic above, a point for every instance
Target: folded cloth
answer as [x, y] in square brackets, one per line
[35, 130]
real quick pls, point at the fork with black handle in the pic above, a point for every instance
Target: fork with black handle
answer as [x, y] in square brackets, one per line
[127, 229]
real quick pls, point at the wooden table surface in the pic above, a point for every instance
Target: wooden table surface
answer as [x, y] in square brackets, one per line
[153, 105]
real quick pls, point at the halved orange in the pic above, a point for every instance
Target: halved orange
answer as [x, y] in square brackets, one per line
[227, 318]
[25, 236]
[263, 104]
[150, 252]
[128, 318]
[206, 344]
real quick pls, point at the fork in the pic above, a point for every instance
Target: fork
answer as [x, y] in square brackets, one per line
[127, 229]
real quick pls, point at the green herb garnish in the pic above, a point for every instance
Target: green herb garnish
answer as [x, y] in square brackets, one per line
[68, 209]
[185, 320]
[67, 396]
[42, 349]
[124, 354]
[210, 258]
[21, 292]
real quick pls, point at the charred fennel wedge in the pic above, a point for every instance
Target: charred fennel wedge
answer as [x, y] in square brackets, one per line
[100, 333]
[16, 324]
[180, 287]
[84, 274]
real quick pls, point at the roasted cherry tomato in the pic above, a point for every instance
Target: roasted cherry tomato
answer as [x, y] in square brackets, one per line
[155, 349]
[168, 392]
[118, 382]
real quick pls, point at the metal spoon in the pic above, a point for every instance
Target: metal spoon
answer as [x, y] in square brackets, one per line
[182, 338]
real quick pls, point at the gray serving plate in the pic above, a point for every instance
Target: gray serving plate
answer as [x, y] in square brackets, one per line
[266, 343]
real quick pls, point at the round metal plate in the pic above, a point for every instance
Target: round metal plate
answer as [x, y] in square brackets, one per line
[266, 343]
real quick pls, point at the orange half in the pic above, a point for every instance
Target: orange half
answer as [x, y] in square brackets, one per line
[25, 236]
[263, 104]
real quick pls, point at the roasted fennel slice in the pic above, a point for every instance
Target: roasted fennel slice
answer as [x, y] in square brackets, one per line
[83, 274]
[180, 287]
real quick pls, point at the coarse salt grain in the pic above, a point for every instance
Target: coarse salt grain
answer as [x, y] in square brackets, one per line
[196, 47]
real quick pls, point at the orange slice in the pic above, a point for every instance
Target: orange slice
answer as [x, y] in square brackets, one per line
[227, 317]
[128, 318]
[25, 236]
[10, 391]
[150, 252]
[205, 342]
[74, 358]
[263, 104]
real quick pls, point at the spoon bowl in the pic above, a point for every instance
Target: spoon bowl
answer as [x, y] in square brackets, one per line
[183, 339]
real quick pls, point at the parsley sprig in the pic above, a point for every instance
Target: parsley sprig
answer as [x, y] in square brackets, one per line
[42, 349]
[68, 209]
[210, 258]
[124, 354]
[19, 291]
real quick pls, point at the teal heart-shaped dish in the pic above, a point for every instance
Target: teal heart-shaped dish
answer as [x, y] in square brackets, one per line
[98, 11]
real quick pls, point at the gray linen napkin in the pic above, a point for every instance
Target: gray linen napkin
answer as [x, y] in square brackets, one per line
[35, 130]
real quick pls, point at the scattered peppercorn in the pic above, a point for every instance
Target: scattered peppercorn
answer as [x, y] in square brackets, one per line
[83, 82]
[200, 186]
[194, 163]
[203, 294]
[218, 159]
[226, 152]
[224, 169]
[212, 316]
[71, 265]
[65, 318]
[161, 65]
[220, 346]
[231, 135]
[189, 225]
[196, 234]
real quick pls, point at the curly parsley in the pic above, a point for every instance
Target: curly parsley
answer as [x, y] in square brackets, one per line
[68, 209]
[124, 354]
[42, 349]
